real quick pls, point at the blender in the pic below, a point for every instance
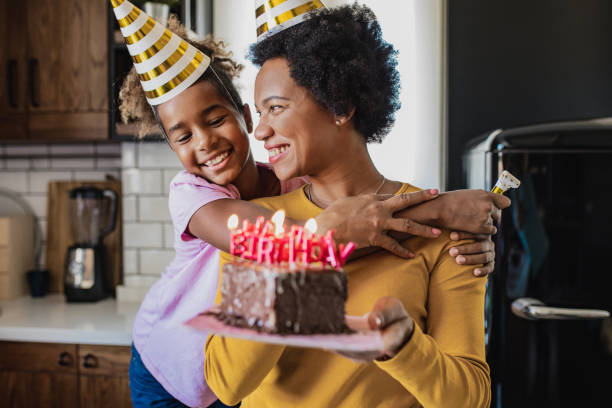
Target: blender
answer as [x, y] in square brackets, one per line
[93, 213]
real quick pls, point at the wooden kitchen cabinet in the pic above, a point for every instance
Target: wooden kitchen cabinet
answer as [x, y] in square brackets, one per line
[61, 73]
[12, 71]
[103, 376]
[63, 375]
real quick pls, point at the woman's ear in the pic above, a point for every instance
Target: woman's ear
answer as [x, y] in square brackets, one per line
[248, 120]
[342, 120]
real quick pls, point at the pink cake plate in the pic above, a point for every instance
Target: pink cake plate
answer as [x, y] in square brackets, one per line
[362, 339]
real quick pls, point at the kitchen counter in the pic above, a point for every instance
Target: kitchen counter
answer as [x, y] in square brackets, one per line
[51, 320]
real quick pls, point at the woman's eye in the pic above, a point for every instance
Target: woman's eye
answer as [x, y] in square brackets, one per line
[275, 108]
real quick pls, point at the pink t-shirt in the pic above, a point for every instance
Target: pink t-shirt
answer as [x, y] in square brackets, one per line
[173, 353]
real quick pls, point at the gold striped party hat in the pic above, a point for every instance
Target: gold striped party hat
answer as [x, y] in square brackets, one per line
[273, 16]
[165, 63]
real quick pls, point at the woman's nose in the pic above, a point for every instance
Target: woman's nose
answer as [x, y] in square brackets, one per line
[263, 130]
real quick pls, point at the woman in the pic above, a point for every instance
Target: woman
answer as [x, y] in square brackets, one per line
[327, 87]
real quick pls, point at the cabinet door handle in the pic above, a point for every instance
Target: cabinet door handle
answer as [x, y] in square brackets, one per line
[534, 309]
[90, 361]
[33, 69]
[64, 359]
[11, 80]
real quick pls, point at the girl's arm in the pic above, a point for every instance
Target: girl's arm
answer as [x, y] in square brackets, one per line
[209, 222]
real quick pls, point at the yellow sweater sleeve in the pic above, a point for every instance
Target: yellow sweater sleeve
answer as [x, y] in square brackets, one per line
[443, 365]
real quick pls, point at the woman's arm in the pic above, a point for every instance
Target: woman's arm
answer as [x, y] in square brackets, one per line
[448, 354]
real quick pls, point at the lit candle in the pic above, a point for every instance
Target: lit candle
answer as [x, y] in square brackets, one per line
[232, 224]
[278, 219]
[331, 257]
[311, 228]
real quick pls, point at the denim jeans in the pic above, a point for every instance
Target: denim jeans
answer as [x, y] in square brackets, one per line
[147, 392]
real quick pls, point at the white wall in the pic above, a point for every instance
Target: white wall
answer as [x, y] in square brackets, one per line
[413, 151]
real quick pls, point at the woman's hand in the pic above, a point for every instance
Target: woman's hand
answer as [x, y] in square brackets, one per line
[472, 211]
[365, 220]
[481, 251]
[395, 324]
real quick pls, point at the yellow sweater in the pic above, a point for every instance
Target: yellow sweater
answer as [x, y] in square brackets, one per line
[443, 364]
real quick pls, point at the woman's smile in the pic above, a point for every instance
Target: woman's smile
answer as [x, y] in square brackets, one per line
[276, 153]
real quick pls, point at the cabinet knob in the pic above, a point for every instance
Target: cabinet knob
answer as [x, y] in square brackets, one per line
[90, 361]
[64, 359]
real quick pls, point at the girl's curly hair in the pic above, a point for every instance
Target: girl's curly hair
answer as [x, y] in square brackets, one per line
[340, 57]
[133, 103]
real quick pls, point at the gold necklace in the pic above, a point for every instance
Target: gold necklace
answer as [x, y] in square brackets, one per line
[309, 194]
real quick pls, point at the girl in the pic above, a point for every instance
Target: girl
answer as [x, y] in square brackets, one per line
[206, 124]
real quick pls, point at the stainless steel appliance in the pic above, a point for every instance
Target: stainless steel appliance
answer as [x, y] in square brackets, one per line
[548, 326]
[93, 213]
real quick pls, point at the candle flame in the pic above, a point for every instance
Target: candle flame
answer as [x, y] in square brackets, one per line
[278, 219]
[232, 222]
[311, 226]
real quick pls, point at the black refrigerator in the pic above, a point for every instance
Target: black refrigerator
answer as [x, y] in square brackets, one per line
[548, 330]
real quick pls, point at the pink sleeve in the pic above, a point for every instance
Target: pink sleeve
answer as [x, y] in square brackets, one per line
[188, 193]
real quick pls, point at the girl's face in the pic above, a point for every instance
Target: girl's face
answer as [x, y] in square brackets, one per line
[299, 135]
[207, 134]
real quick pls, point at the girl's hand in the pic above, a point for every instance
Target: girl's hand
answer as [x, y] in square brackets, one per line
[366, 219]
[482, 251]
[395, 324]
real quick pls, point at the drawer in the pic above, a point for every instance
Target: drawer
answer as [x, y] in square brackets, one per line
[104, 360]
[4, 260]
[18, 356]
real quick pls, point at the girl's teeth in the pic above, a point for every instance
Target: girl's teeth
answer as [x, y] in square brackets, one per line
[217, 159]
[277, 150]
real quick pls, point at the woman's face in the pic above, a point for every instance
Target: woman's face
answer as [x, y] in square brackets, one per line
[207, 134]
[297, 132]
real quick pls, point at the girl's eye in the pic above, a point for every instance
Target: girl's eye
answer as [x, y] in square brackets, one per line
[183, 138]
[275, 108]
[217, 122]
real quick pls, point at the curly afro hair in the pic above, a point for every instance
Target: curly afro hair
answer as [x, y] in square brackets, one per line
[340, 57]
[134, 105]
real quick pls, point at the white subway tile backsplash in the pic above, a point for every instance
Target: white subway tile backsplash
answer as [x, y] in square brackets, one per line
[130, 212]
[128, 155]
[17, 163]
[153, 209]
[150, 181]
[130, 181]
[26, 150]
[108, 163]
[168, 176]
[140, 280]
[157, 155]
[38, 204]
[108, 148]
[16, 181]
[60, 149]
[154, 262]
[39, 180]
[99, 175]
[140, 235]
[168, 235]
[72, 163]
[40, 163]
[130, 262]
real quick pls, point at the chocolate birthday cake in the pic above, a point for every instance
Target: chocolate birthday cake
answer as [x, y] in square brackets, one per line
[276, 298]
